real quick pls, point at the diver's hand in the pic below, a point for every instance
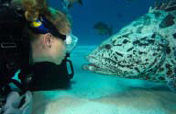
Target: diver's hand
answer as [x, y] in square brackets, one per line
[16, 104]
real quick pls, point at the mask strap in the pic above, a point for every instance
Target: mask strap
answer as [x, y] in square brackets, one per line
[43, 26]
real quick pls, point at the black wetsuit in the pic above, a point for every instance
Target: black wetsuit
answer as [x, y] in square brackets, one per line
[47, 76]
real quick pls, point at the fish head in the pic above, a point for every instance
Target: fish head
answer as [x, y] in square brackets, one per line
[128, 55]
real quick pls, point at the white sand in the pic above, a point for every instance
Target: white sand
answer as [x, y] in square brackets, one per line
[97, 94]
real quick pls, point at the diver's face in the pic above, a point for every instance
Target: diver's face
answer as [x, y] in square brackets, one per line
[48, 48]
[58, 50]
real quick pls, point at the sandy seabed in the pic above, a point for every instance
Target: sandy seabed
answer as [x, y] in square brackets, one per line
[99, 94]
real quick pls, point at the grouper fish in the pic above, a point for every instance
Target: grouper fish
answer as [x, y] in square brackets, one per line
[145, 49]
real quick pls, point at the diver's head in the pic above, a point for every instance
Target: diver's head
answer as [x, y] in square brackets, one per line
[47, 29]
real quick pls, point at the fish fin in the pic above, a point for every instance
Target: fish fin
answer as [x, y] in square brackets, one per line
[171, 83]
[80, 2]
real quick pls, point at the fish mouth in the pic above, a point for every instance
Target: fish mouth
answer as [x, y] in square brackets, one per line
[95, 65]
[91, 66]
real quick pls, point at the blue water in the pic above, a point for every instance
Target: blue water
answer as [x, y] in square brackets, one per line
[116, 13]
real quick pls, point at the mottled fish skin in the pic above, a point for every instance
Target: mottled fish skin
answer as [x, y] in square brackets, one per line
[145, 49]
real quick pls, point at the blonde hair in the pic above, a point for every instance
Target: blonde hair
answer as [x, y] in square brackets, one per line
[35, 8]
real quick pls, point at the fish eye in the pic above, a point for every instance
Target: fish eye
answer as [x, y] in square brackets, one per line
[108, 46]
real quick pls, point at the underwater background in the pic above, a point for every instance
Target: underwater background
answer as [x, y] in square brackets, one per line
[115, 13]
[93, 93]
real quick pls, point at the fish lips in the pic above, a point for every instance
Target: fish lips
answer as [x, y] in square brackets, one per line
[91, 66]
[95, 65]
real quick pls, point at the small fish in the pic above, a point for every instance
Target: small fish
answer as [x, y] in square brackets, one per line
[69, 3]
[103, 29]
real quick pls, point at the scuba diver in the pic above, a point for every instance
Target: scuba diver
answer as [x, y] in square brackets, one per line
[48, 31]
[37, 40]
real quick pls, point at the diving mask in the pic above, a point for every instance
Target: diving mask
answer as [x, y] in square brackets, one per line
[68, 39]
[43, 26]
[71, 41]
